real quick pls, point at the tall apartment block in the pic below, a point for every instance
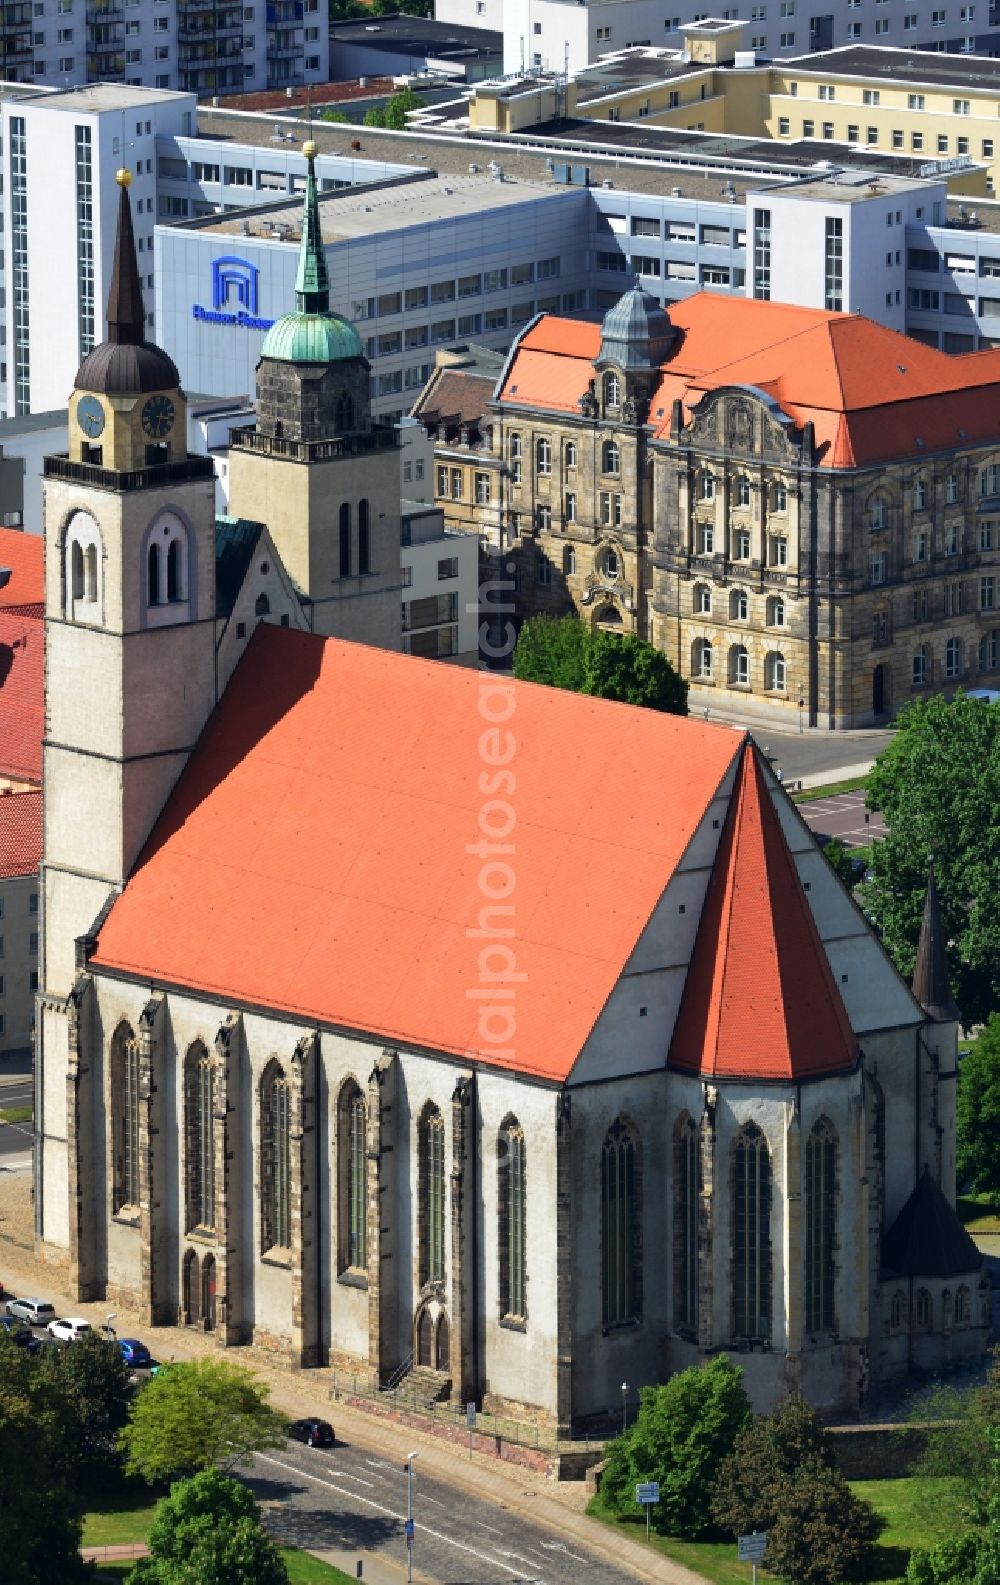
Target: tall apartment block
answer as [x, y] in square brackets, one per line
[204, 47]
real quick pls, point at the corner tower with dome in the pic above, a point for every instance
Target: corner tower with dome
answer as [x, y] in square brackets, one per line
[315, 467]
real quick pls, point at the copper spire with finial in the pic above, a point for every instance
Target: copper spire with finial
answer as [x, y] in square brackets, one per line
[930, 973]
[126, 313]
[312, 282]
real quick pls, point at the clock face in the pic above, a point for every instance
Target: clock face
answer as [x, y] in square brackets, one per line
[158, 417]
[90, 416]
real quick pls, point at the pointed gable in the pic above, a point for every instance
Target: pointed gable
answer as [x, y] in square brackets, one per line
[759, 1000]
[927, 1239]
[930, 973]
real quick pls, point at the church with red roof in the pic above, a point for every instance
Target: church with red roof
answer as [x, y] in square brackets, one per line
[419, 1022]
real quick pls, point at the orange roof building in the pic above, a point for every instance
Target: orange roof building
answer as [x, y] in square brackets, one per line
[794, 505]
[399, 1015]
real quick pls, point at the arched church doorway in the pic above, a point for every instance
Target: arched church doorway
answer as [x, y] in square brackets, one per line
[425, 1339]
[443, 1351]
[208, 1293]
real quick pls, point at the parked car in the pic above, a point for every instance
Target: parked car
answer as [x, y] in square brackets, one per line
[35, 1311]
[69, 1330]
[19, 1333]
[135, 1353]
[314, 1433]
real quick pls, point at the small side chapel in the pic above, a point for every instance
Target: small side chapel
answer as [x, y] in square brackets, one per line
[415, 1020]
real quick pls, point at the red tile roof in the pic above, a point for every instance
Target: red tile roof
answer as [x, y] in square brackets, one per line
[320, 853]
[871, 393]
[22, 553]
[22, 702]
[20, 834]
[456, 393]
[759, 999]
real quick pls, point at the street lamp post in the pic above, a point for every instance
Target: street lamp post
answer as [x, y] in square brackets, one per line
[624, 1407]
[409, 1517]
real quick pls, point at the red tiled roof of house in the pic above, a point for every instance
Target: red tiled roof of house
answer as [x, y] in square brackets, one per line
[759, 999]
[871, 393]
[22, 700]
[22, 553]
[456, 393]
[20, 834]
[320, 853]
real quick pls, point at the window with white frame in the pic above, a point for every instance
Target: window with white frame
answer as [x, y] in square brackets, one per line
[779, 551]
[610, 457]
[569, 507]
[701, 659]
[951, 488]
[878, 512]
[774, 672]
[612, 390]
[775, 611]
[921, 666]
[920, 496]
[706, 485]
[543, 456]
[739, 666]
[705, 539]
[739, 605]
[742, 494]
[741, 544]
[953, 658]
[703, 599]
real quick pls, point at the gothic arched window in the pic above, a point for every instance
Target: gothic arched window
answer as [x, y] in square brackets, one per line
[199, 1111]
[153, 575]
[821, 1225]
[175, 590]
[345, 540]
[752, 1234]
[687, 1188]
[275, 1160]
[125, 1118]
[352, 1154]
[430, 1195]
[82, 556]
[922, 1309]
[364, 538]
[512, 1220]
[620, 1227]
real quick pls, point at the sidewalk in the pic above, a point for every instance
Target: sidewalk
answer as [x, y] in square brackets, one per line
[558, 1506]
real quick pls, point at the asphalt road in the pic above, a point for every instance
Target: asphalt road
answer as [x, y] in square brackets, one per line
[843, 816]
[16, 1139]
[347, 1499]
[817, 753]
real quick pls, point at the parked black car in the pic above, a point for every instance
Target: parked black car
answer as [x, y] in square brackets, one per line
[314, 1433]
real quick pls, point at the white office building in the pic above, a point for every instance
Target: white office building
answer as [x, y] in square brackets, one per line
[570, 34]
[202, 47]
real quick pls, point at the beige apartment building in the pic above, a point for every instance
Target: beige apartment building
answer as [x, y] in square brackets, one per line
[934, 108]
[801, 509]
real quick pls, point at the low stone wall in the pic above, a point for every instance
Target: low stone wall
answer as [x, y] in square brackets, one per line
[542, 1461]
[878, 1452]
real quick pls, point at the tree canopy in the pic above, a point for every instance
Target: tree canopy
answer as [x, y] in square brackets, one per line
[979, 1112]
[680, 1436]
[40, 1518]
[208, 1532]
[780, 1477]
[393, 114]
[198, 1415]
[938, 786]
[563, 653]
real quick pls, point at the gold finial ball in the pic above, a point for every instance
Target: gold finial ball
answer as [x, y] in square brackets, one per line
[124, 177]
[309, 149]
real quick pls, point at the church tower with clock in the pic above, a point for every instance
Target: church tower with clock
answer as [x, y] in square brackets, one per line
[130, 648]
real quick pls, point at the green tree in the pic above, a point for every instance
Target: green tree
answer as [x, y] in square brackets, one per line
[563, 653]
[197, 1415]
[680, 1436]
[40, 1525]
[840, 861]
[88, 1388]
[961, 1442]
[938, 786]
[780, 1477]
[552, 650]
[393, 113]
[331, 115]
[208, 1532]
[972, 1558]
[979, 1112]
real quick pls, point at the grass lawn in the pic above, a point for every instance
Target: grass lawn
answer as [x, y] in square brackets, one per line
[853, 784]
[918, 1511]
[15, 1114]
[979, 1212]
[306, 1570]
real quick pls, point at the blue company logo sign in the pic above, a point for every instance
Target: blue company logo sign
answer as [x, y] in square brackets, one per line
[234, 295]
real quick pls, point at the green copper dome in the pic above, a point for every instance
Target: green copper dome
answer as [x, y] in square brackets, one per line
[312, 334]
[311, 338]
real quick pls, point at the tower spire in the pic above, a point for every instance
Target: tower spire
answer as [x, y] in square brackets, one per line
[312, 283]
[930, 973]
[126, 313]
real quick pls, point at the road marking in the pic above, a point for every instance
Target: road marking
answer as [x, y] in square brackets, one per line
[560, 1546]
[346, 1474]
[382, 1463]
[293, 1469]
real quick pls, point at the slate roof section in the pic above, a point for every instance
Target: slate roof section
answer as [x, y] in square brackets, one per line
[20, 834]
[22, 554]
[320, 854]
[871, 393]
[927, 1239]
[22, 694]
[126, 364]
[236, 540]
[457, 394]
[760, 1000]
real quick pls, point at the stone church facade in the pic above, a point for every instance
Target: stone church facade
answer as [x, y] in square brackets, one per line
[383, 1026]
[802, 510]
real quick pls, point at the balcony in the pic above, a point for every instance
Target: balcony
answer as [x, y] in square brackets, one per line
[283, 47]
[381, 438]
[189, 470]
[285, 13]
[102, 68]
